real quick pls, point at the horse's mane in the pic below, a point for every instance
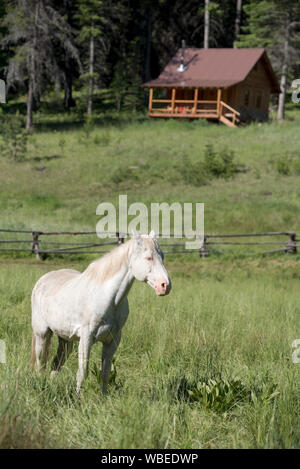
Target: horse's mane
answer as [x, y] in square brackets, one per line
[107, 266]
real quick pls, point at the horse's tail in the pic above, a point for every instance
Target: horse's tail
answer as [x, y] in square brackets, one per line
[33, 351]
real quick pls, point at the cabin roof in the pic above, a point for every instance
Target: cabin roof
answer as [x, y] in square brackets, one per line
[213, 68]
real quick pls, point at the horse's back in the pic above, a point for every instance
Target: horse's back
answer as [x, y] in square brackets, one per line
[48, 287]
[52, 282]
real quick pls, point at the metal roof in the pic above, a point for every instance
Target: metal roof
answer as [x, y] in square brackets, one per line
[213, 68]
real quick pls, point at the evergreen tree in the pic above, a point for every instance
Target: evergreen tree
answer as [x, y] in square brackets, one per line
[274, 25]
[68, 57]
[34, 28]
[91, 18]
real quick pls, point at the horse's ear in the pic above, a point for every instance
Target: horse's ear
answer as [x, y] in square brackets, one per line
[152, 234]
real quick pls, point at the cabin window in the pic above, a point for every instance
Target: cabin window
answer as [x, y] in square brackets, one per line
[247, 97]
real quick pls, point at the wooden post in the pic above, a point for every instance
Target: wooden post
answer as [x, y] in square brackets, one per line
[203, 250]
[150, 99]
[120, 238]
[35, 244]
[173, 100]
[195, 101]
[291, 247]
[219, 102]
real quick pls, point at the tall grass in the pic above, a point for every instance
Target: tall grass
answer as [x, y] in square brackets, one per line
[239, 322]
[227, 318]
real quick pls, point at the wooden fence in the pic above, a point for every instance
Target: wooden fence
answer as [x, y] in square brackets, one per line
[38, 241]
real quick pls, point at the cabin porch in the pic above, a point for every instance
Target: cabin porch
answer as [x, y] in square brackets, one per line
[192, 103]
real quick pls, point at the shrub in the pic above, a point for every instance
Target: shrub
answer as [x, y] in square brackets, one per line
[220, 164]
[14, 137]
[216, 164]
[88, 125]
[123, 174]
[288, 164]
[223, 394]
[102, 139]
[283, 165]
[219, 394]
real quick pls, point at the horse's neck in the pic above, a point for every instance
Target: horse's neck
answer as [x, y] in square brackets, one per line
[122, 282]
[117, 285]
[123, 287]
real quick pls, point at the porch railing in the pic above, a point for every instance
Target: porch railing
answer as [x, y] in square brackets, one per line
[229, 113]
[184, 106]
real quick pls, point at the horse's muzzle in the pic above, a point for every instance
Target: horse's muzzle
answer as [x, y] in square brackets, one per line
[162, 287]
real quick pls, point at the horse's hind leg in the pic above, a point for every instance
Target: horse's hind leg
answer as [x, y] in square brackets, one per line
[108, 351]
[42, 346]
[63, 351]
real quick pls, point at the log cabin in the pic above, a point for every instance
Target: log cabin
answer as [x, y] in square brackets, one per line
[228, 85]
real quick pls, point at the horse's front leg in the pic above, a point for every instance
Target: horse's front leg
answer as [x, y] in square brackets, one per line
[107, 355]
[84, 349]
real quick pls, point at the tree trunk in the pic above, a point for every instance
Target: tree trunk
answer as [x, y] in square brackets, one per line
[30, 95]
[68, 99]
[148, 46]
[206, 25]
[283, 79]
[237, 25]
[32, 74]
[29, 105]
[91, 75]
[68, 72]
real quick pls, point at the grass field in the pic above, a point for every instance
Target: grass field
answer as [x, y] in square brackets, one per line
[67, 172]
[228, 318]
[237, 320]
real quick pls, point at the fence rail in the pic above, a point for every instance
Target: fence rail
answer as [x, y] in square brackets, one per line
[38, 246]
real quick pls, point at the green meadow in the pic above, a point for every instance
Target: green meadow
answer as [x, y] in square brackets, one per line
[209, 366]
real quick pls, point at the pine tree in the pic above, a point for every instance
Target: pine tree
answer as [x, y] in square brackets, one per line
[274, 25]
[34, 28]
[69, 57]
[14, 137]
[212, 21]
[91, 18]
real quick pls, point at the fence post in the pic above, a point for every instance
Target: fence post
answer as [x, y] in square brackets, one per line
[203, 250]
[35, 244]
[291, 247]
[120, 238]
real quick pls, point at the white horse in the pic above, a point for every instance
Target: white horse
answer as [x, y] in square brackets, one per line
[92, 305]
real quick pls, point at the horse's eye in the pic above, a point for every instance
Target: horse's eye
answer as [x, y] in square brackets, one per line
[149, 258]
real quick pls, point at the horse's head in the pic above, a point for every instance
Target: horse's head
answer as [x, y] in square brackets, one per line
[147, 264]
